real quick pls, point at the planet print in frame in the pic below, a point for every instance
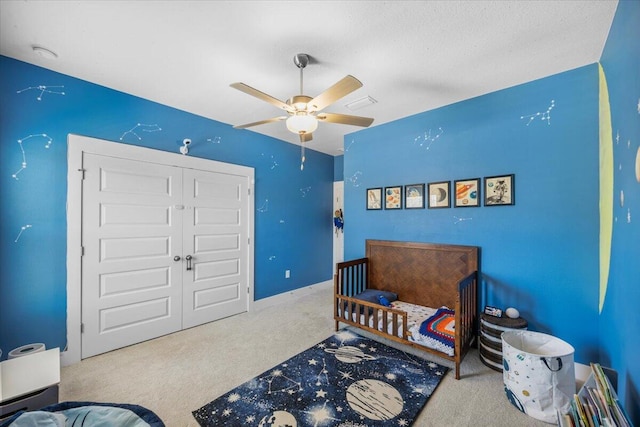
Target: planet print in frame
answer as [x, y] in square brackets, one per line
[439, 194]
[467, 193]
[393, 197]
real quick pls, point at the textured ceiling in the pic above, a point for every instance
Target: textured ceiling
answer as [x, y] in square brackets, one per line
[411, 56]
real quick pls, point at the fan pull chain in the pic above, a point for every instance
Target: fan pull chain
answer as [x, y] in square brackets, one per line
[302, 156]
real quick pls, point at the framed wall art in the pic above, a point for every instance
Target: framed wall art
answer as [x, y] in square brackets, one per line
[439, 194]
[414, 196]
[393, 197]
[467, 193]
[374, 198]
[499, 190]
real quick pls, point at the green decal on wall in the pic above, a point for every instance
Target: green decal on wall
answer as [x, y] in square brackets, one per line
[606, 185]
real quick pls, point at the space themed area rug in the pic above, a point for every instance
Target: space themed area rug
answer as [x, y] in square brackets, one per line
[345, 381]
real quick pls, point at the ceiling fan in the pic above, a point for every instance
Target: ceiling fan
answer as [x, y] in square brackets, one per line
[304, 112]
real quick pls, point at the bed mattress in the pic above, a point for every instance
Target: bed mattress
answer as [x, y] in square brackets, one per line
[417, 315]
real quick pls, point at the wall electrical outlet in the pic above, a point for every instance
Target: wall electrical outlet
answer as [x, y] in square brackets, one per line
[287, 274]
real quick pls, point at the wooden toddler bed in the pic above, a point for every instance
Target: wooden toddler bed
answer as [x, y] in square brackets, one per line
[422, 275]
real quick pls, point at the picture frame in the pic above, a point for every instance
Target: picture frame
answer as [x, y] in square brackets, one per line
[499, 190]
[374, 198]
[467, 193]
[414, 196]
[393, 197]
[439, 194]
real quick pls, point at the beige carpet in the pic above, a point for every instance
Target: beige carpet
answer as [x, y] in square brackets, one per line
[178, 373]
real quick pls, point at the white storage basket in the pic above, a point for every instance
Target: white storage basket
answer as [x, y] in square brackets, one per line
[539, 373]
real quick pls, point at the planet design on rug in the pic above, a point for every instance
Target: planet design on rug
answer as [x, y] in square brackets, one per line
[278, 419]
[374, 399]
[350, 354]
[345, 380]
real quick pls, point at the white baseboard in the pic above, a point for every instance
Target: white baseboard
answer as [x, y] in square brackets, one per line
[286, 297]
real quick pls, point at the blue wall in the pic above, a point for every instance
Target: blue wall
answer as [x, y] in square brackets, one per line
[539, 255]
[542, 254]
[338, 168]
[620, 320]
[293, 218]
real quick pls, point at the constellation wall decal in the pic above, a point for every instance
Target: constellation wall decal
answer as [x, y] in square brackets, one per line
[546, 115]
[264, 207]
[272, 258]
[23, 165]
[459, 220]
[215, 140]
[274, 163]
[143, 127]
[43, 89]
[304, 191]
[355, 179]
[428, 139]
[353, 141]
[22, 230]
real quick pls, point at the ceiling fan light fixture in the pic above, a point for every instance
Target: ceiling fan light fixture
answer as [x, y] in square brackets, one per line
[302, 123]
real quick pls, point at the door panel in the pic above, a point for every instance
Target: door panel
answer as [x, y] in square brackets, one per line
[112, 214]
[133, 281]
[217, 238]
[127, 316]
[131, 287]
[136, 217]
[214, 296]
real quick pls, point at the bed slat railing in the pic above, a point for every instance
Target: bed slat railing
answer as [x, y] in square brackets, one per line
[465, 317]
[384, 321]
[350, 279]
[352, 276]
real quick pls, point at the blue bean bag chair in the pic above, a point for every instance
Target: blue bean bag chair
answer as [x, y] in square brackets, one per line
[85, 413]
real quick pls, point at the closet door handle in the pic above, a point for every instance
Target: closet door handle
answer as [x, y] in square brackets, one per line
[188, 258]
[177, 258]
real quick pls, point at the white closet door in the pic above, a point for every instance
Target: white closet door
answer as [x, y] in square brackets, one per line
[132, 230]
[216, 239]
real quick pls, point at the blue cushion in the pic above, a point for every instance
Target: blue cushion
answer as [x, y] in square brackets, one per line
[371, 295]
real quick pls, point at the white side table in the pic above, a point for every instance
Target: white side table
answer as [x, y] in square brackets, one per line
[29, 382]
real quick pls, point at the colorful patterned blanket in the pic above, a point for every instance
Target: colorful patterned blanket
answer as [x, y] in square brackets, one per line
[438, 331]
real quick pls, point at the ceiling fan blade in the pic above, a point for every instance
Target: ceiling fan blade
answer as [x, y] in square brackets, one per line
[261, 122]
[306, 137]
[335, 92]
[261, 95]
[345, 119]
